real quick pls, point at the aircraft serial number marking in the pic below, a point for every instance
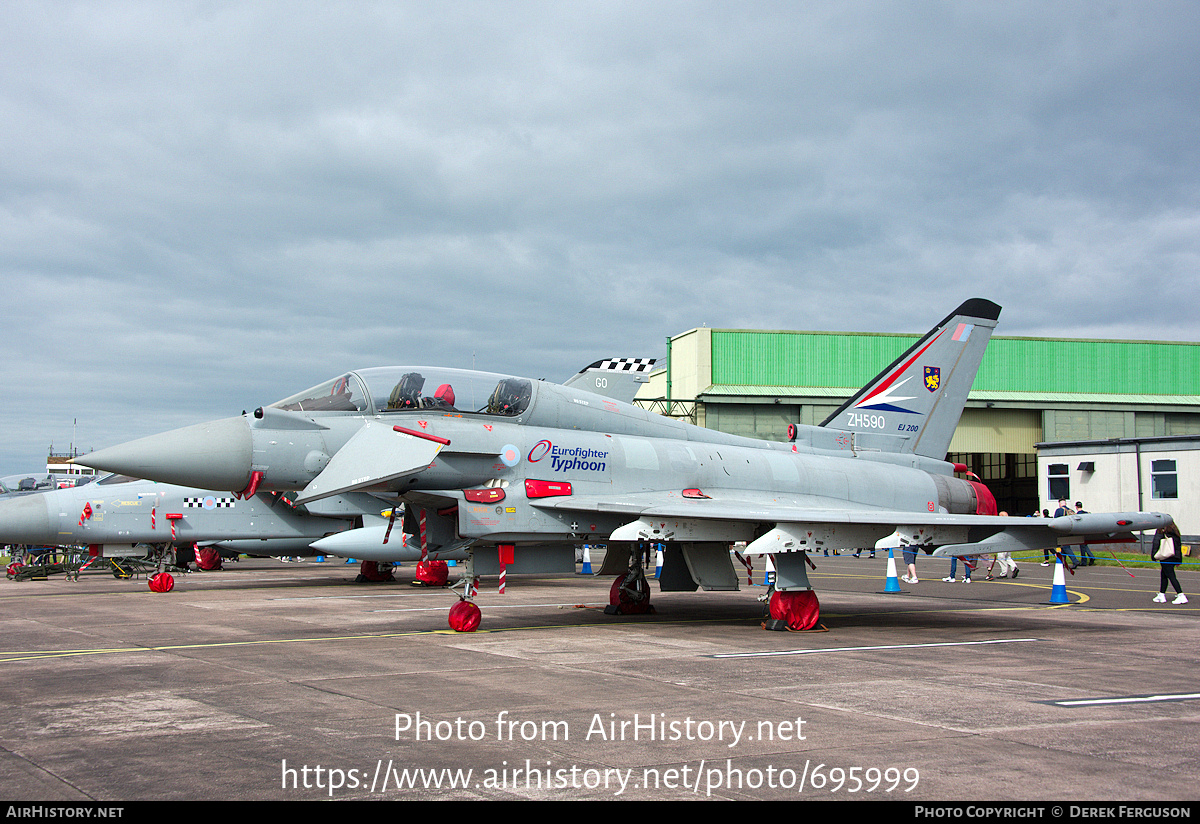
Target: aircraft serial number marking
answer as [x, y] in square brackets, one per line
[866, 421]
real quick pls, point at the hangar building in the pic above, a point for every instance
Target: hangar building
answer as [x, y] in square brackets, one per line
[1114, 424]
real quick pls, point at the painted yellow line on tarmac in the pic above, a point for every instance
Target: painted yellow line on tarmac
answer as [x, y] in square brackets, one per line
[1082, 596]
[7, 657]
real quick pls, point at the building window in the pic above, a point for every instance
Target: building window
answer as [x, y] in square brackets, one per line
[1163, 481]
[1060, 482]
[993, 466]
[1026, 465]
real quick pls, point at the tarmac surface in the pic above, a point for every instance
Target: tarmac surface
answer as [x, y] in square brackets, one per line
[291, 682]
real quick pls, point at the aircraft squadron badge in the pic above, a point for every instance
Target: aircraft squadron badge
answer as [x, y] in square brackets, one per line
[933, 378]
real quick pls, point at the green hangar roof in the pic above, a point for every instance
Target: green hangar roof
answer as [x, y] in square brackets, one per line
[1157, 370]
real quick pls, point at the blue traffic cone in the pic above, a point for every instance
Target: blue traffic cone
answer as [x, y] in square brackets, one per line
[893, 583]
[769, 574]
[658, 564]
[587, 561]
[1058, 592]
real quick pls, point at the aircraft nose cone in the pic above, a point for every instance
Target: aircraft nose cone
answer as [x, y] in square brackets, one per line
[213, 455]
[24, 520]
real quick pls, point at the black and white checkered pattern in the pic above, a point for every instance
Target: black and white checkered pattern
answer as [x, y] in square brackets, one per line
[627, 364]
[199, 502]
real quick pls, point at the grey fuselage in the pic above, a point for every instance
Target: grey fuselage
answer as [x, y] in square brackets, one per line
[602, 448]
[127, 511]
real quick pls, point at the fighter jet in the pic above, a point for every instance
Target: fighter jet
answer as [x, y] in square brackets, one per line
[122, 516]
[501, 466]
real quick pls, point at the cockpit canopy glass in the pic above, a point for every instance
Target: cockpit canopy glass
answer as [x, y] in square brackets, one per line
[344, 394]
[403, 388]
[108, 480]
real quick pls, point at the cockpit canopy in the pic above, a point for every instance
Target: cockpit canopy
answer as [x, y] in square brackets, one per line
[403, 388]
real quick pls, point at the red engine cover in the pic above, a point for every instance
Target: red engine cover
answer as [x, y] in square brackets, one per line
[987, 502]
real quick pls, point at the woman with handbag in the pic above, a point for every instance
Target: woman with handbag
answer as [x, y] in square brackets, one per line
[1166, 549]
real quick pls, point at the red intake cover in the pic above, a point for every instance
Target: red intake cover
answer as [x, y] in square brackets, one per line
[987, 503]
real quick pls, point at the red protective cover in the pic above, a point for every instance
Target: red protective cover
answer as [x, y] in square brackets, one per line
[208, 558]
[619, 598]
[162, 582]
[464, 617]
[369, 571]
[799, 609]
[433, 573]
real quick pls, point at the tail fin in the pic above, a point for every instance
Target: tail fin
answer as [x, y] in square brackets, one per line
[617, 378]
[922, 393]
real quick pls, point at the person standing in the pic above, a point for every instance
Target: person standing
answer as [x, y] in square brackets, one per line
[1062, 510]
[1086, 558]
[1004, 559]
[1167, 550]
[910, 558]
[1045, 552]
[967, 567]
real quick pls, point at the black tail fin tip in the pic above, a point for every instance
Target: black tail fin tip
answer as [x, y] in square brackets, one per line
[981, 308]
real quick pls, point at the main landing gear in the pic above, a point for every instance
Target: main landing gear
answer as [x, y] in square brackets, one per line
[792, 604]
[465, 615]
[630, 593]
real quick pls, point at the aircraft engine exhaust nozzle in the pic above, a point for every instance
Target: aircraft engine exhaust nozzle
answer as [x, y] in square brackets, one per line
[213, 455]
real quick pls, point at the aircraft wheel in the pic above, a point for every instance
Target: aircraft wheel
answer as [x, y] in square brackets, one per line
[627, 597]
[464, 617]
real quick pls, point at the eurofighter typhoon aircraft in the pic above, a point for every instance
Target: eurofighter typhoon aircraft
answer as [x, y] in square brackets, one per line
[503, 466]
[123, 516]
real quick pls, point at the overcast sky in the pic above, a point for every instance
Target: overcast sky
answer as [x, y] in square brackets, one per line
[205, 207]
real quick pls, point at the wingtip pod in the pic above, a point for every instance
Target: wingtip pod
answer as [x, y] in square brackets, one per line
[1107, 523]
[1029, 534]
